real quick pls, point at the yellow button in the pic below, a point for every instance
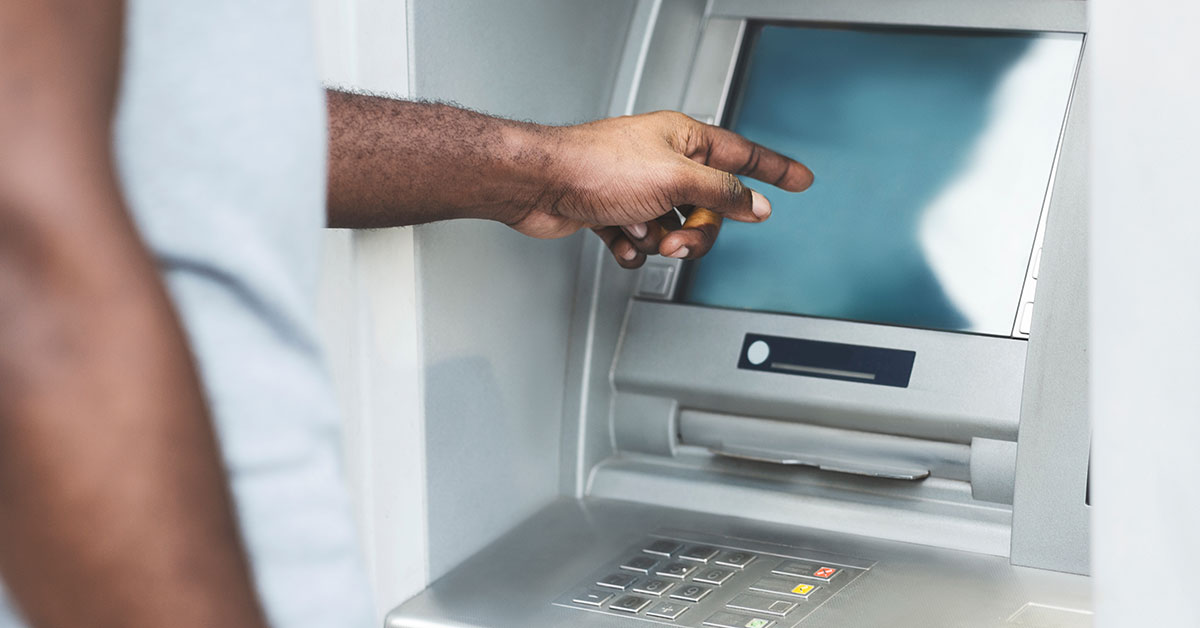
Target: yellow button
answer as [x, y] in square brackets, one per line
[803, 589]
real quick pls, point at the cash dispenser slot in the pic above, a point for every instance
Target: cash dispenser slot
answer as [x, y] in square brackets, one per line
[988, 464]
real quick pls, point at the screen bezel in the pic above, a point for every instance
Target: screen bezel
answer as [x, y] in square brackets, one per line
[730, 102]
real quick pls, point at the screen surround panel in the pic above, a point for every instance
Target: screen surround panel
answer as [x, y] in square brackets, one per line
[977, 268]
[659, 355]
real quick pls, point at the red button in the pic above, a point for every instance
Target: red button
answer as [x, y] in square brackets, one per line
[825, 572]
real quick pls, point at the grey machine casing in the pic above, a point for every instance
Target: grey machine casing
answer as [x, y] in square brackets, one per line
[962, 496]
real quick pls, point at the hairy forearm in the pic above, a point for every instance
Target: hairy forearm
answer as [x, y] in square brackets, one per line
[395, 162]
[114, 510]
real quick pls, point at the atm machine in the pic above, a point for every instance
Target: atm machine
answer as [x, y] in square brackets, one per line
[871, 410]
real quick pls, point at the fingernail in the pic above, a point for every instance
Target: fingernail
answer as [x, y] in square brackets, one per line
[680, 252]
[759, 205]
[629, 254]
[638, 231]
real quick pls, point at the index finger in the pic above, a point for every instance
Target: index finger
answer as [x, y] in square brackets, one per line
[728, 151]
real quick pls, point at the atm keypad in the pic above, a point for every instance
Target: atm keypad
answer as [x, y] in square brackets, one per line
[653, 586]
[640, 564]
[737, 560]
[691, 593]
[713, 576]
[630, 604]
[710, 585]
[806, 569]
[668, 610]
[618, 581]
[593, 598]
[732, 620]
[760, 604]
[663, 548]
[785, 587]
[699, 553]
[677, 570]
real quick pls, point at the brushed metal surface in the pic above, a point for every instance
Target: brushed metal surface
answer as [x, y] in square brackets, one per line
[1051, 519]
[1043, 15]
[513, 582]
[963, 386]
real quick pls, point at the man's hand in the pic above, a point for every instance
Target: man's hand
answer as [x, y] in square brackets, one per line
[623, 178]
[401, 163]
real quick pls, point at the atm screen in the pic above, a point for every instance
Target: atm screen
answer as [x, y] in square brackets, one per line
[933, 153]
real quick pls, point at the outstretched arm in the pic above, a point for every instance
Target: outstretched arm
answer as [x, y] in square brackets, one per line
[114, 510]
[394, 162]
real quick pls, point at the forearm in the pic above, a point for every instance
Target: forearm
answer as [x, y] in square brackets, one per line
[114, 510]
[395, 162]
[400, 163]
[113, 504]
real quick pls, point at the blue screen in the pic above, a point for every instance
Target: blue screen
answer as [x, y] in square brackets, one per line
[932, 153]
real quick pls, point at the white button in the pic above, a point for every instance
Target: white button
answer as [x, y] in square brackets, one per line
[656, 281]
[1027, 319]
[758, 352]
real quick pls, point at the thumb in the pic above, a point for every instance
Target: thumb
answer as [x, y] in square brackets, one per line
[720, 192]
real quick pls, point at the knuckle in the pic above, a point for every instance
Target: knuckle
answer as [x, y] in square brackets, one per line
[732, 190]
[672, 116]
[709, 230]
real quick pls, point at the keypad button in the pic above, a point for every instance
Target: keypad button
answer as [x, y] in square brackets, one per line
[593, 598]
[668, 610]
[783, 586]
[630, 604]
[760, 605]
[691, 592]
[735, 559]
[619, 581]
[805, 569]
[734, 620]
[663, 548]
[676, 570]
[653, 586]
[699, 553]
[713, 576]
[640, 564]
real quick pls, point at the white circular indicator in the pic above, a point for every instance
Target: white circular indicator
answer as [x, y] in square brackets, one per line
[758, 352]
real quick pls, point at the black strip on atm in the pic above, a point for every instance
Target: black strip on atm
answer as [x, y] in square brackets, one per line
[827, 360]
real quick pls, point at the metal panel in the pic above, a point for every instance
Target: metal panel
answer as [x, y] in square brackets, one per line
[963, 386]
[1040, 15]
[934, 511]
[512, 583]
[601, 296]
[494, 401]
[718, 49]
[845, 451]
[675, 375]
[665, 64]
[1050, 516]
[993, 469]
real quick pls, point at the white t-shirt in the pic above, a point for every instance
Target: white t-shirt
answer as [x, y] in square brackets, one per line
[221, 145]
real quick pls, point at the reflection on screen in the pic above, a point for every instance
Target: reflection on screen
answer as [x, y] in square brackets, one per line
[932, 154]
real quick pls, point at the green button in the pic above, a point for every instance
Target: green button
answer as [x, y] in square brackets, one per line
[758, 623]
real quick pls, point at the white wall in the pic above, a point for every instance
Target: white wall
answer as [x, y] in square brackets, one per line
[1145, 312]
[369, 317]
[497, 305]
